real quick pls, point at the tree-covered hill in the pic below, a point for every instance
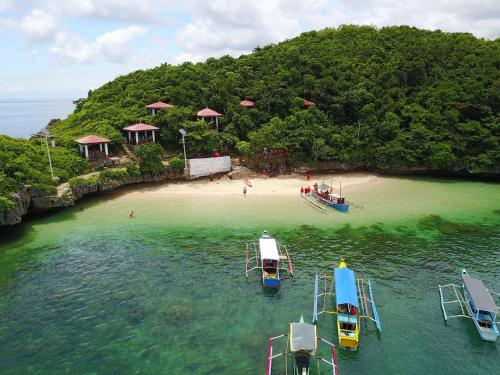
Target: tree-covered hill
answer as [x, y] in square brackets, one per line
[396, 97]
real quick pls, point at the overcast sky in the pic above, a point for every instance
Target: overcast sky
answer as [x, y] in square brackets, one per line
[59, 48]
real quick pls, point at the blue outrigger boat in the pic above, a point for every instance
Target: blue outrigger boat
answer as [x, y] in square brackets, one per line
[271, 258]
[475, 302]
[302, 345]
[353, 301]
[324, 194]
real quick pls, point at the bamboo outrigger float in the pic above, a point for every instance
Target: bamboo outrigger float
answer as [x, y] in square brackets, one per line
[301, 345]
[270, 257]
[353, 301]
[475, 302]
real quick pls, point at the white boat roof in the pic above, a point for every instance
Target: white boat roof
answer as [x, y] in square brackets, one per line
[480, 296]
[268, 249]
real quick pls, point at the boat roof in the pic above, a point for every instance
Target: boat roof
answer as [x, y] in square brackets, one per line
[480, 296]
[302, 337]
[324, 186]
[345, 287]
[268, 249]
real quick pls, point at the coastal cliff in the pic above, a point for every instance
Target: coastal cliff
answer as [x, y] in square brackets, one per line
[33, 200]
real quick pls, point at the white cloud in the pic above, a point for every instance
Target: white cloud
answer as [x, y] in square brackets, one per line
[117, 10]
[113, 46]
[234, 27]
[6, 5]
[39, 25]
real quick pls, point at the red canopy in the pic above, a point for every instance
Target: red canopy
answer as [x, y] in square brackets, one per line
[140, 127]
[207, 112]
[308, 103]
[91, 140]
[159, 105]
[247, 103]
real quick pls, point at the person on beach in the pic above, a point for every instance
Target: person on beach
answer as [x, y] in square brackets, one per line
[131, 214]
[245, 191]
[302, 190]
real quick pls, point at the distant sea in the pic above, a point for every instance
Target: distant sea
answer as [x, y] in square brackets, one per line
[23, 117]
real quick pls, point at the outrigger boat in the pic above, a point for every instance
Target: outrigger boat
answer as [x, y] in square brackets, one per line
[324, 194]
[351, 303]
[475, 302]
[302, 345]
[271, 258]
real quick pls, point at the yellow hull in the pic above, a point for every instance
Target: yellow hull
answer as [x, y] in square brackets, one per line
[348, 340]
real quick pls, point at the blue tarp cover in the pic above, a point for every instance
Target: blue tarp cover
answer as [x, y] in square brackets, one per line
[345, 287]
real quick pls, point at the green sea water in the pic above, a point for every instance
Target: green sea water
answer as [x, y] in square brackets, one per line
[87, 290]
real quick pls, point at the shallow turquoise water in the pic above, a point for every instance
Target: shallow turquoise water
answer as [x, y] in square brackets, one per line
[91, 292]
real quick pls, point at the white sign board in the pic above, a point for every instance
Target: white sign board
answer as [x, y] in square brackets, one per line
[206, 166]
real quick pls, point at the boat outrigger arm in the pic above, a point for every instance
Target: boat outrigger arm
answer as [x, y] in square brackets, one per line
[367, 307]
[253, 261]
[458, 300]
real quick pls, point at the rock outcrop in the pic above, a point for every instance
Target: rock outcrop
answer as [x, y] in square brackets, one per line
[30, 199]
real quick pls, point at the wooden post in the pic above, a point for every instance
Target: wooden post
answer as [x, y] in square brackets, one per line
[129, 136]
[136, 138]
[86, 151]
[106, 149]
[217, 123]
[153, 133]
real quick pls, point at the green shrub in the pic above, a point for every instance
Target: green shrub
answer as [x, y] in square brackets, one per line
[81, 181]
[6, 204]
[244, 148]
[112, 174]
[177, 163]
[45, 189]
[149, 155]
[133, 169]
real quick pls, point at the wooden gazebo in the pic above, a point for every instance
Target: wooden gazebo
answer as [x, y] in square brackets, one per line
[93, 146]
[308, 103]
[141, 133]
[247, 103]
[153, 108]
[210, 114]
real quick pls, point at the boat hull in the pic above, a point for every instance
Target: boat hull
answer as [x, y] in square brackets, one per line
[487, 334]
[271, 283]
[339, 207]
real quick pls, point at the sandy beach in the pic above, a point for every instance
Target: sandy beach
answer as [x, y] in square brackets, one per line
[287, 184]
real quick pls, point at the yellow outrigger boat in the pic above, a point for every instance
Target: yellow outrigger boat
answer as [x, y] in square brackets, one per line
[352, 303]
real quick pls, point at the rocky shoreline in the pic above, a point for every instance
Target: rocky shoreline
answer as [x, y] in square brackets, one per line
[31, 200]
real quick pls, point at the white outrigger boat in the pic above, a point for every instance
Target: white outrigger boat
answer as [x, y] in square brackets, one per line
[302, 345]
[271, 258]
[476, 303]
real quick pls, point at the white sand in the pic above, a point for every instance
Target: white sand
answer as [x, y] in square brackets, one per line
[289, 184]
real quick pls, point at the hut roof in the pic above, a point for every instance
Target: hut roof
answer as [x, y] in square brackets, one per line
[308, 103]
[140, 127]
[247, 103]
[91, 140]
[207, 112]
[159, 105]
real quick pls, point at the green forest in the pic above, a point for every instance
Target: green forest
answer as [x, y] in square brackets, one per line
[393, 98]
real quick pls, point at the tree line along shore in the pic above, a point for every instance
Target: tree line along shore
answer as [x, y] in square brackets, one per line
[395, 99]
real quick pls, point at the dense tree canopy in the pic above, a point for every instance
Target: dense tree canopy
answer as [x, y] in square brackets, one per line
[390, 98]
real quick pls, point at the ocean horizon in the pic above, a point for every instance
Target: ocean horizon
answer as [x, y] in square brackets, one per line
[21, 118]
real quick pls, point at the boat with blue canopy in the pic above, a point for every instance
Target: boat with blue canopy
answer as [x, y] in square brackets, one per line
[302, 345]
[271, 258]
[474, 301]
[351, 301]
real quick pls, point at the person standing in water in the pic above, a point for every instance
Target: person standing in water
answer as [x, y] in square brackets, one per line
[245, 191]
